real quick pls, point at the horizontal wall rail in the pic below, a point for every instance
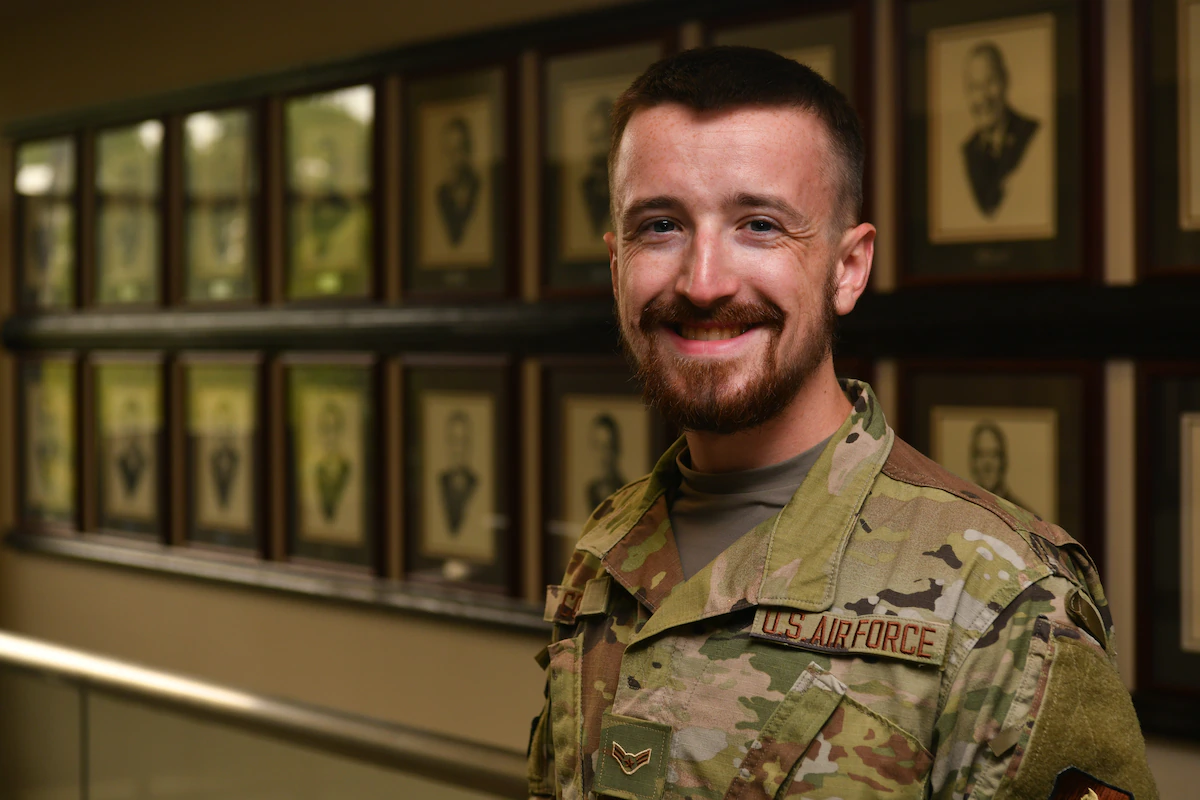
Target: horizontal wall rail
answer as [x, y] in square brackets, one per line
[449, 760]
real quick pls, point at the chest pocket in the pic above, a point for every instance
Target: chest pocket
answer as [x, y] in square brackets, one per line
[563, 710]
[819, 743]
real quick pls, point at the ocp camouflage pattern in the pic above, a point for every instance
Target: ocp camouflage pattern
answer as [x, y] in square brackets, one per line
[894, 632]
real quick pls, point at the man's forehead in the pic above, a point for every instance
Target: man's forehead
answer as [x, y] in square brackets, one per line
[659, 138]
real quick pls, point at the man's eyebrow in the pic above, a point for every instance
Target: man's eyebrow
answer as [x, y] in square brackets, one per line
[748, 200]
[662, 202]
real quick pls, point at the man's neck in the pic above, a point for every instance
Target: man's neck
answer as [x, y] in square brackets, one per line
[818, 410]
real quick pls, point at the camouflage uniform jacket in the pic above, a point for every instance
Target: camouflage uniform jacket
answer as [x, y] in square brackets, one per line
[893, 632]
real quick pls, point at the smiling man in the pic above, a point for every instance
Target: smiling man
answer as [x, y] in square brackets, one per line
[795, 603]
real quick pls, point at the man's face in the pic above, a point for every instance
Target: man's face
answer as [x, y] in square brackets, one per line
[985, 90]
[724, 259]
[987, 460]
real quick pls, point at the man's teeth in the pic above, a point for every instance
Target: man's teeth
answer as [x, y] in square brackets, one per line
[709, 334]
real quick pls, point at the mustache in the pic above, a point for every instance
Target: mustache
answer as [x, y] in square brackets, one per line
[681, 311]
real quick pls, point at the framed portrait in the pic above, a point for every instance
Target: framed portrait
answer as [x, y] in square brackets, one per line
[46, 228]
[598, 437]
[331, 458]
[459, 456]
[1168, 121]
[998, 139]
[49, 467]
[1168, 558]
[1026, 432]
[223, 450]
[220, 195]
[578, 92]
[129, 242]
[459, 217]
[330, 141]
[130, 444]
[826, 39]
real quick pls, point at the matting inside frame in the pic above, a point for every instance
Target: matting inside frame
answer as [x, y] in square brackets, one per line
[1011, 452]
[992, 132]
[1189, 578]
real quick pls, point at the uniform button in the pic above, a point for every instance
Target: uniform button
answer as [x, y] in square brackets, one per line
[744, 774]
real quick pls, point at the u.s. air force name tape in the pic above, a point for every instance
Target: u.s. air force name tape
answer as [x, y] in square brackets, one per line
[886, 636]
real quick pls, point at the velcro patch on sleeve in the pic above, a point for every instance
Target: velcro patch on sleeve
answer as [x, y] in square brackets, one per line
[885, 636]
[1075, 784]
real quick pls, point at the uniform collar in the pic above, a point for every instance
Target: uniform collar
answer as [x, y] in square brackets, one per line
[790, 560]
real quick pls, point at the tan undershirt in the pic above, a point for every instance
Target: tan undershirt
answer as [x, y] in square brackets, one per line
[709, 512]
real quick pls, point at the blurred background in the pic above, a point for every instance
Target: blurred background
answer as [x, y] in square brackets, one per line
[309, 376]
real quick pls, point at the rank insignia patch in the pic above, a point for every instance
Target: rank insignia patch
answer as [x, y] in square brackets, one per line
[630, 762]
[1075, 784]
[634, 754]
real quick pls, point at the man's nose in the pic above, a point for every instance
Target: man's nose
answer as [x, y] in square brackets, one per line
[707, 275]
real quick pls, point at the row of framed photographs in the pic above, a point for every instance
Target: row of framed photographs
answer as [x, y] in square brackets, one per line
[412, 468]
[999, 138]
[183, 451]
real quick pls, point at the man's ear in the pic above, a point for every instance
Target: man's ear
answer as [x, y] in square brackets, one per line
[856, 250]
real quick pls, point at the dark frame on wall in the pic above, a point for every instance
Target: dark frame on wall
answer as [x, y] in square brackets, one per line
[561, 274]
[123, 506]
[346, 379]
[460, 96]
[212, 428]
[481, 393]
[33, 444]
[257, 231]
[1043, 237]
[1073, 390]
[326, 207]
[1167, 695]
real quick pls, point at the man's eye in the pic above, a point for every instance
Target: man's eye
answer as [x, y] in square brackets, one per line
[761, 226]
[662, 226]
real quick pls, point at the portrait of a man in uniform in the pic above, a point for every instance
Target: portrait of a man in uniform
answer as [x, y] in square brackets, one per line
[225, 457]
[1001, 134]
[594, 183]
[131, 457]
[459, 481]
[606, 448]
[989, 460]
[459, 189]
[331, 207]
[332, 472]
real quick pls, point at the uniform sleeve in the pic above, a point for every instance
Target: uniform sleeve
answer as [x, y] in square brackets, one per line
[1039, 694]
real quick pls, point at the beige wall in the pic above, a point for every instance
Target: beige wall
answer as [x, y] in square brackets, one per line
[413, 670]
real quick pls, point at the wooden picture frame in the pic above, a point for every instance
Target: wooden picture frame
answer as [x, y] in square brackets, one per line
[131, 467]
[1167, 696]
[837, 33]
[980, 418]
[331, 191]
[224, 460]
[46, 230]
[1167, 119]
[1001, 170]
[49, 456]
[332, 461]
[460, 438]
[130, 183]
[222, 247]
[597, 436]
[461, 167]
[577, 90]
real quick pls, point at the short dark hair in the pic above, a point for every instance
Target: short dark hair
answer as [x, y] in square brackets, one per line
[724, 77]
[994, 54]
